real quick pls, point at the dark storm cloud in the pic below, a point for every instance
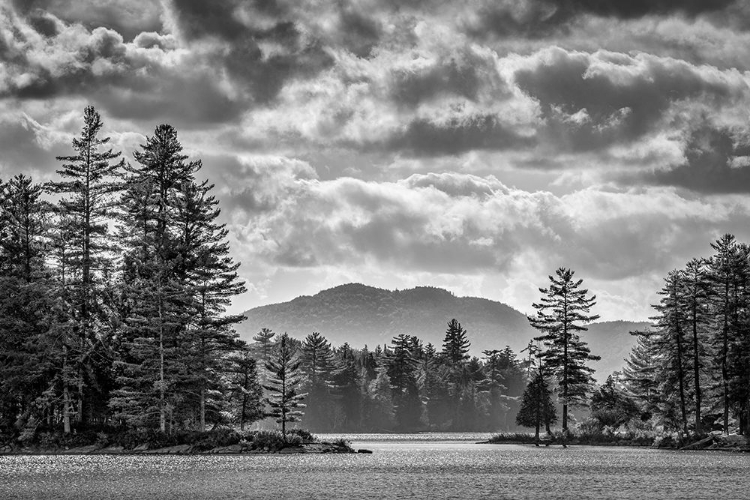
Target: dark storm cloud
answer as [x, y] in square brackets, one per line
[715, 163]
[429, 138]
[592, 101]
[543, 18]
[263, 73]
[127, 17]
[451, 77]
[628, 9]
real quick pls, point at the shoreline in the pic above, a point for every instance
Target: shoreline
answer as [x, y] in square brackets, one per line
[690, 447]
[185, 449]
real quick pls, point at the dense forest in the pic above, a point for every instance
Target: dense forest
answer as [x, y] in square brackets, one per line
[114, 283]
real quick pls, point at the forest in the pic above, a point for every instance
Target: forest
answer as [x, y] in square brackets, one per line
[114, 284]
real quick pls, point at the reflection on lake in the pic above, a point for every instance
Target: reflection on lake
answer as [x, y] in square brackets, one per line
[406, 466]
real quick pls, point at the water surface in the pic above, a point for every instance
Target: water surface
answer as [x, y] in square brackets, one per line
[421, 466]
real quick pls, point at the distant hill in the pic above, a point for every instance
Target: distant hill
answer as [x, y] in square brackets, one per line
[360, 314]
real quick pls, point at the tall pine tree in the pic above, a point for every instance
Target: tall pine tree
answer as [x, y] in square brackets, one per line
[561, 313]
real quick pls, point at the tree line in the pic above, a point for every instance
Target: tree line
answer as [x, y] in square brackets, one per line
[114, 279]
[690, 370]
[114, 283]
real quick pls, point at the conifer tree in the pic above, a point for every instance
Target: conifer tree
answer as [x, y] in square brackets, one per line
[455, 344]
[208, 274]
[561, 313]
[90, 179]
[318, 364]
[726, 269]
[158, 299]
[347, 387]
[696, 296]
[671, 343]
[537, 406]
[246, 394]
[285, 379]
[640, 374]
[401, 371]
[24, 297]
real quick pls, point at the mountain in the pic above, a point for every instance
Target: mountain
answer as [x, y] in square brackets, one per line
[360, 314]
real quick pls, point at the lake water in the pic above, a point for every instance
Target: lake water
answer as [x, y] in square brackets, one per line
[423, 466]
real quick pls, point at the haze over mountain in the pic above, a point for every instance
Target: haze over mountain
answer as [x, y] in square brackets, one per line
[361, 314]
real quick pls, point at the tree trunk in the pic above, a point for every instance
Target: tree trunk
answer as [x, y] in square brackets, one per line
[203, 410]
[162, 409]
[696, 372]
[66, 393]
[681, 377]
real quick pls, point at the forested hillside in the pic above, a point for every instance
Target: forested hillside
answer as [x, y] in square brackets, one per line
[360, 314]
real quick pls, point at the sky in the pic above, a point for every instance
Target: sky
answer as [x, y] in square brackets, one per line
[475, 145]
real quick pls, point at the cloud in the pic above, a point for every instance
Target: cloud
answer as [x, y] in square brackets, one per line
[546, 18]
[715, 163]
[466, 224]
[127, 17]
[592, 101]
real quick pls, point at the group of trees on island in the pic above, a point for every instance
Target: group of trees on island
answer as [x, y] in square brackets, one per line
[114, 283]
[691, 369]
[113, 290]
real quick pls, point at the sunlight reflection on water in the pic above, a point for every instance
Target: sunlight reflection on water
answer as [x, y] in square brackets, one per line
[411, 466]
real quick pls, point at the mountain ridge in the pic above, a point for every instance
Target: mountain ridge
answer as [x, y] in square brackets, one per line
[365, 315]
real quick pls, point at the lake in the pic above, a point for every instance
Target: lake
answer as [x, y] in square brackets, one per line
[401, 466]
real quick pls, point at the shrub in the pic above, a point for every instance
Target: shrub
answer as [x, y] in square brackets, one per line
[305, 435]
[517, 437]
[271, 440]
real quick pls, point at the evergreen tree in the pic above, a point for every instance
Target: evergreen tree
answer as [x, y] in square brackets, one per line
[671, 343]
[726, 271]
[640, 374]
[347, 388]
[205, 270]
[284, 381]
[455, 353]
[246, 394]
[537, 406]
[24, 300]
[455, 344]
[158, 301]
[611, 406]
[696, 296]
[401, 371]
[318, 365]
[561, 313]
[88, 185]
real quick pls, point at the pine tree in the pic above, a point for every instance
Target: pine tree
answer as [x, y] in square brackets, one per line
[671, 343]
[455, 344]
[318, 364]
[640, 374]
[24, 300]
[346, 387]
[401, 371]
[207, 272]
[246, 394]
[725, 273]
[284, 381]
[90, 181]
[562, 310]
[537, 406]
[158, 301]
[696, 296]
[455, 353]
